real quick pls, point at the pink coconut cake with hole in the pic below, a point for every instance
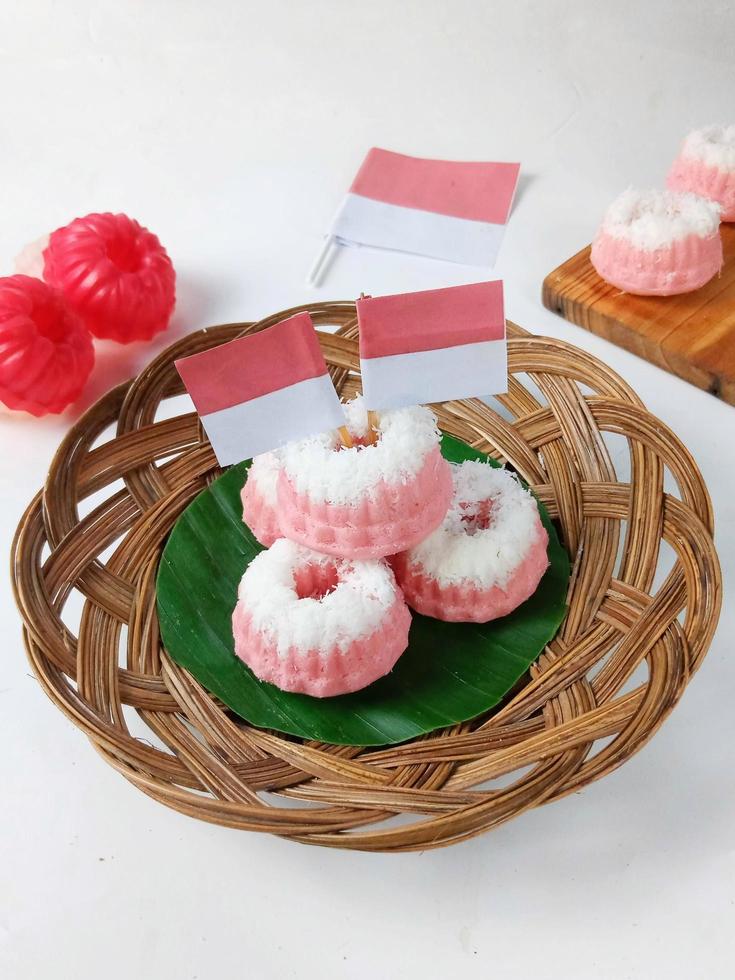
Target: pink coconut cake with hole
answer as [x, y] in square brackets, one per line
[318, 625]
[705, 165]
[658, 243]
[487, 556]
[366, 501]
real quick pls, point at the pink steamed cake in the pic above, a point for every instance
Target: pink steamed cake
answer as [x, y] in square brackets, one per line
[487, 556]
[316, 625]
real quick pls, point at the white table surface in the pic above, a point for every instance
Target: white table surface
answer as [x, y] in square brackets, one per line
[232, 129]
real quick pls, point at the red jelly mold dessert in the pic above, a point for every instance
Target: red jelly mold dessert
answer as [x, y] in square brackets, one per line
[115, 275]
[46, 352]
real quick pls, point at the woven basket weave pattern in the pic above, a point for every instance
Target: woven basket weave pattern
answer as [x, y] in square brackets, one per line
[544, 741]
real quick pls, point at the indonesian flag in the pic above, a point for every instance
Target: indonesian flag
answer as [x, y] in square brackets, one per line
[433, 346]
[441, 208]
[260, 392]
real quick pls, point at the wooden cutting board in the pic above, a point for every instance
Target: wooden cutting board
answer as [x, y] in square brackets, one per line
[692, 335]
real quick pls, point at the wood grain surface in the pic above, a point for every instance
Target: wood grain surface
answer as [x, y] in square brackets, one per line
[691, 335]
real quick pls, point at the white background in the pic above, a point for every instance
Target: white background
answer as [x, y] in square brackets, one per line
[232, 129]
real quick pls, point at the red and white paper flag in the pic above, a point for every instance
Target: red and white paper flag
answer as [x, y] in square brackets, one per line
[260, 392]
[433, 346]
[441, 208]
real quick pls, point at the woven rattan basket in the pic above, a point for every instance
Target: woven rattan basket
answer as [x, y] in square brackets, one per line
[641, 615]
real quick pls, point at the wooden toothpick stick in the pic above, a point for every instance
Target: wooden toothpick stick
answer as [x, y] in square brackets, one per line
[372, 432]
[372, 435]
[344, 434]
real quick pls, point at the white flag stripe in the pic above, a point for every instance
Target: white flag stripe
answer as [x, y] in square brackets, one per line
[465, 371]
[361, 220]
[264, 423]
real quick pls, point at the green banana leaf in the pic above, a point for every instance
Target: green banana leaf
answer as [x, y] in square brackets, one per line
[450, 672]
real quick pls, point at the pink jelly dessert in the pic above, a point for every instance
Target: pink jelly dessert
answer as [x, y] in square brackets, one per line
[657, 243]
[114, 274]
[369, 500]
[259, 500]
[706, 166]
[46, 352]
[488, 555]
[318, 625]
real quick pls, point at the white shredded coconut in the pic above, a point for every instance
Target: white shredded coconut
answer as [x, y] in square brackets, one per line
[654, 219]
[324, 470]
[364, 593]
[713, 145]
[459, 551]
[264, 472]
[356, 417]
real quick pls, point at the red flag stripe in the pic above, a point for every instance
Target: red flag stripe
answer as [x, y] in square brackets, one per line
[478, 191]
[431, 320]
[280, 356]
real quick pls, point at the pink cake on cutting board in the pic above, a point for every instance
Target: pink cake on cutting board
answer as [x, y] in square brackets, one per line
[658, 243]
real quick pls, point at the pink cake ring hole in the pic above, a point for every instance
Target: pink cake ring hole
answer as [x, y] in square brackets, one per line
[315, 581]
[318, 625]
[369, 500]
[486, 558]
[658, 243]
[476, 516]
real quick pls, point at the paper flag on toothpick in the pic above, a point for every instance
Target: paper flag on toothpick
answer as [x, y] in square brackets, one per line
[260, 392]
[433, 346]
[440, 208]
